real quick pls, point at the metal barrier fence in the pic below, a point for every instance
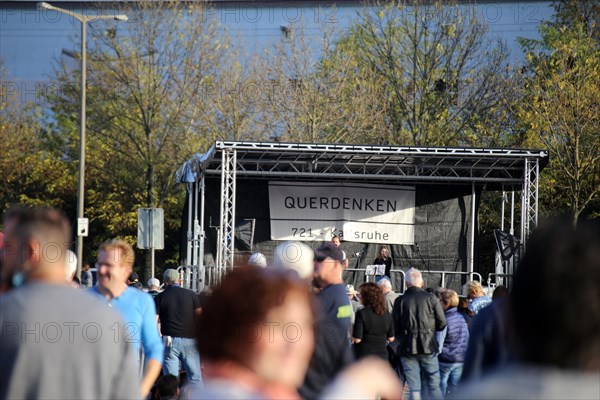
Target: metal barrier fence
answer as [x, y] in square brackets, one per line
[191, 277]
[393, 278]
[499, 279]
[459, 273]
[395, 273]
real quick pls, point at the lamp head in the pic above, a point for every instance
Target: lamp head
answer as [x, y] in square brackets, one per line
[42, 5]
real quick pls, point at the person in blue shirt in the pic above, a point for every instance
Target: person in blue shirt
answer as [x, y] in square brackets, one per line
[115, 262]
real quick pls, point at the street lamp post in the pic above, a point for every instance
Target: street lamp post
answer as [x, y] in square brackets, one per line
[84, 19]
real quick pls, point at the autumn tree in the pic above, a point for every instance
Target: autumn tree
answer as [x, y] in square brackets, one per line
[146, 110]
[236, 99]
[310, 98]
[568, 13]
[442, 81]
[561, 111]
[33, 170]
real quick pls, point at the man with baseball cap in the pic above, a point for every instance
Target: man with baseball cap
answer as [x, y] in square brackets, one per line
[332, 347]
[134, 281]
[153, 287]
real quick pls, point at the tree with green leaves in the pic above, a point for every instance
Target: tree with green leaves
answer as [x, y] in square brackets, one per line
[147, 111]
[568, 13]
[235, 99]
[561, 111]
[33, 169]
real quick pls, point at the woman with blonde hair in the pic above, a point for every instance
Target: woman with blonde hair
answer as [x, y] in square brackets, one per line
[453, 342]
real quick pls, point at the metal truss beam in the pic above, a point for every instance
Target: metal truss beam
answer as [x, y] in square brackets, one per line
[529, 199]
[380, 163]
[399, 177]
[226, 229]
[368, 149]
[511, 168]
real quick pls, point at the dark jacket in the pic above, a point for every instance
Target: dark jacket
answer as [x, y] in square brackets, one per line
[417, 316]
[489, 341]
[387, 262]
[457, 337]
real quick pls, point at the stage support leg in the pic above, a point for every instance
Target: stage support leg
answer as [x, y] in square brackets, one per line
[201, 271]
[225, 248]
[502, 212]
[195, 248]
[190, 234]
[473, 217]
[512, 212]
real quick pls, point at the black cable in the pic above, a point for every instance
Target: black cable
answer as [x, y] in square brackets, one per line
[425, 265]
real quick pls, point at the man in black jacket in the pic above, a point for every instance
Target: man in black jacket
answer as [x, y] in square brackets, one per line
[177, 308]
[417, 316]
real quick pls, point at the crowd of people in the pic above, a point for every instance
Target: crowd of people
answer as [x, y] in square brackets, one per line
[291, 327]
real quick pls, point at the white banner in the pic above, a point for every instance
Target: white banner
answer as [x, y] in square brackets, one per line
[356, 212]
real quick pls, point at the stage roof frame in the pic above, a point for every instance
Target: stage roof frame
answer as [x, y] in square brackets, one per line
[491, 168]
[373, 163]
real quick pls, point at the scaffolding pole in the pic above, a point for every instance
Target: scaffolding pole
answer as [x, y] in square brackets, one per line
[529, 200]
[473, 217]
[190, 232]
[227, 227]
[202, 232]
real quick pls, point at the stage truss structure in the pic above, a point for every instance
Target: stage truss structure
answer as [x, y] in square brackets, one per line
[505, 170]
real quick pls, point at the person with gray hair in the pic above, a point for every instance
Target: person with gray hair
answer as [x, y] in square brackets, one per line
[177, 308]
[414, 278]
[153, 287]
[390, 295]
[417, 316]
[258, 260]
